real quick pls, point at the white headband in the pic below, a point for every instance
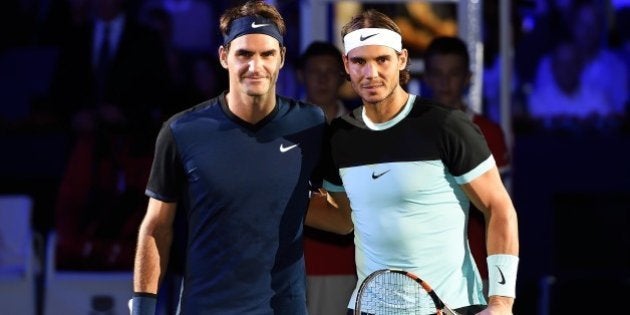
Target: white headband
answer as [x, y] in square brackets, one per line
[372, 36]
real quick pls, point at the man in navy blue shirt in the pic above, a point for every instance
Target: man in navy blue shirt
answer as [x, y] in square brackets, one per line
[240, 167]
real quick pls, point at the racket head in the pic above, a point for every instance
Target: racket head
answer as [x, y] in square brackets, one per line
[392, 292]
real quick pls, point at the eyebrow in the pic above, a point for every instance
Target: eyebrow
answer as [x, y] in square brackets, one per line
[266, 52]
[356, 58]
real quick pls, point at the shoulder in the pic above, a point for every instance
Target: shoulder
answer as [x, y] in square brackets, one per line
[193, 112]
[432, 114]
[300, 109]
[423, 106]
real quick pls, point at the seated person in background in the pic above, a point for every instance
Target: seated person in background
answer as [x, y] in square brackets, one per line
[565, 97]
[595, 91]
[329, 258]
[602, 68]
[448, 76]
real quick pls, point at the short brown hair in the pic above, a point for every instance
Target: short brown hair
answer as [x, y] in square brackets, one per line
[252, 7]
[374, 19]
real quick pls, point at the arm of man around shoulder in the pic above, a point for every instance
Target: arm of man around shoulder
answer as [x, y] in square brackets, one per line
[488, 194]
[154, 243]
[330, 211]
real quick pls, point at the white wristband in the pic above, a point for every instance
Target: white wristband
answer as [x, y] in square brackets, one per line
[502, 271]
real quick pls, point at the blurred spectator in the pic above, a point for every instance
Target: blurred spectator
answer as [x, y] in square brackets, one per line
[320, 70]
[602, 71]
[155, 16]
[205, 79]
[329, 258]
[589, 33]
[112, 84]
[448, 76]
[108, 72]
[565, 99]
[542, 25]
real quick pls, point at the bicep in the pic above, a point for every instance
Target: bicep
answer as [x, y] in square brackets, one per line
[160, 215]
[487, 191]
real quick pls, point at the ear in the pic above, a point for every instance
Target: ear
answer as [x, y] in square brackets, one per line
[403, 58]
[345, 64]
[283, 53]
[223, 54]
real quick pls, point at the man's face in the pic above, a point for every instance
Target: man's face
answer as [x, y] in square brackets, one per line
[374, 71]
[253, 62]
[322, 78]
[447, 76]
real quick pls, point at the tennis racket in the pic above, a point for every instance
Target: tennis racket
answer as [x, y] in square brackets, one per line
[398, 292]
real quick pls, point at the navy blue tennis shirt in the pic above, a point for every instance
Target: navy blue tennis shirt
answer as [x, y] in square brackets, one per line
[244, 189]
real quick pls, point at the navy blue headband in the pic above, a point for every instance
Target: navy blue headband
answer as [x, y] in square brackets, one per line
[252, 24]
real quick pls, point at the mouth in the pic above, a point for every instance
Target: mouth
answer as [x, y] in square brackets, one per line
[371, 86]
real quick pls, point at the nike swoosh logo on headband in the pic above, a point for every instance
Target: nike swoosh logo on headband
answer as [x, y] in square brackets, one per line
[362, 38]
[254, 25]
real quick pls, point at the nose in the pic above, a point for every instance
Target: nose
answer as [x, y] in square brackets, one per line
[253, 63]
[370, 70]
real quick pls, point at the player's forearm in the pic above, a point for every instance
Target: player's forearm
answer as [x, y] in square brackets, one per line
[502, 233]
[151, 258]
[325, 215]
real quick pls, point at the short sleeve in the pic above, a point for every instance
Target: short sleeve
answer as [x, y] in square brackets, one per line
[166, 171]
[464, 148]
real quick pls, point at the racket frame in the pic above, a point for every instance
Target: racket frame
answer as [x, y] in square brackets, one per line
[441, 307]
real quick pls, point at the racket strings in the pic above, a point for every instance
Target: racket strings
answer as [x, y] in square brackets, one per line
[393, 294]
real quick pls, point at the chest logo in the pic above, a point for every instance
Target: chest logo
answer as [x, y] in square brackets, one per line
[284, 149]
[377, 175]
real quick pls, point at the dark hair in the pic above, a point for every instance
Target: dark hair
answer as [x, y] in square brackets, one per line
[447, 45]
[319, 48]
[372, 18]
[250, 8]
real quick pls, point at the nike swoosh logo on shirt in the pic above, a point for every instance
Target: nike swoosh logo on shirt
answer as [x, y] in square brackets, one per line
[375, 176]
[254, 25]
[284, 149]
[362, 38]
[502, 281]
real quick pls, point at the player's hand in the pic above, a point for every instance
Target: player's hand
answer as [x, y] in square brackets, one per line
[498, 305]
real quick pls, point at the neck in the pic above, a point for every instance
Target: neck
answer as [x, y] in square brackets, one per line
[251, 109]
[387, 108]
